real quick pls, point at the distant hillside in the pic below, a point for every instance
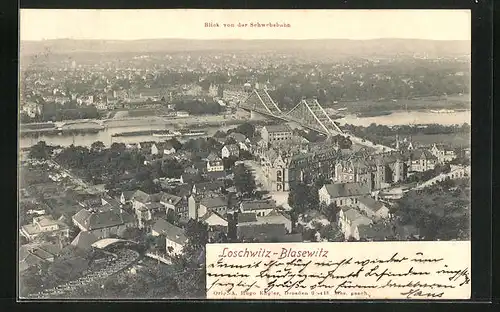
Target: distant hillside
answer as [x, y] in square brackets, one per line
[382, 47]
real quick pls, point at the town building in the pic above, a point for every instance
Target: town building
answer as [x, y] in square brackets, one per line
[375, 172]
[103, 224]
[374, 232]
[215, 221]
[443, 153]
[162, 148]
[342, 194]
[374, 209]
[199, 206]
[84, 240]
[214, 163]
[276, 168]
[274, 217]
[34, 254]
[276, 133]
[421, 160]
[259, 207]
[32, 109]
[349, 220]
[174, 203]
[44, 225]
[230, 150]
[175, 238]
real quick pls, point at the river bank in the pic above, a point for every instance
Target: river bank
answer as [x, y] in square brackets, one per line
[210, 125]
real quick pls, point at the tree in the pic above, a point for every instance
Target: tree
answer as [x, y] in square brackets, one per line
[175, 143]
[244, 180]
[246, 155]
[331, 211]
[172, 217]
[229, 162]
[220, 134]
[172, 168]
[40, 150]
[230, 140]
[97, 147]
[303, 197]
[197, 234]
[247, 129]
[149, 186]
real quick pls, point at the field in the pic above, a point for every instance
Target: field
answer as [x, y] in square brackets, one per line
[456, 102]
[455, 139]
[452, 139]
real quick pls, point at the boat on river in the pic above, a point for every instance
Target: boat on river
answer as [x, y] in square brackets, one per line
[166, 134]
[442, 111]
[191, 132]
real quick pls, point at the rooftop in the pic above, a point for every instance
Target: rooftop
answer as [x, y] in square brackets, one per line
[346, 189]
[102, 219]
[262, 232]
[371, 203]
[376, 232]
[213, 202]
[356, 218]
[258, 205]
[278, 128]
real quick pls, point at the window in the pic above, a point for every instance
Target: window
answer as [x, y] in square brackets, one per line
[341, 202]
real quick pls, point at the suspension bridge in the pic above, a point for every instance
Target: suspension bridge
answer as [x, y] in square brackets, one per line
[308, 113]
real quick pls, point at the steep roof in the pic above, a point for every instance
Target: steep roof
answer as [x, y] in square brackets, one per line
[216, 175]
[102, 219]
[208, 186]
[272, 218]
[174, 233]
[141, 196]
[374, 232]
[247, 217]
[160, 226]
[346, 189]
[371, 203]
[356, 218]
[232, 148]
[263, 232]
[170, 199]
[84, 240]
[144, 197]
[214, 202]
[278, 128]
[422, 154]
[213, 157]
[258, 205]
[210, 214]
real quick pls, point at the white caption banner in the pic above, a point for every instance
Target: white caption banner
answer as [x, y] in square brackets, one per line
[357, 270]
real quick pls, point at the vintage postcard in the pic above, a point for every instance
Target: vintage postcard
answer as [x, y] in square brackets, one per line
[244, 154]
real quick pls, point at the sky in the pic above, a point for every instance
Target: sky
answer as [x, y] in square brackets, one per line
[40, 24]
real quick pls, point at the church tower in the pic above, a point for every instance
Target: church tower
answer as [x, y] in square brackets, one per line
[410, 145]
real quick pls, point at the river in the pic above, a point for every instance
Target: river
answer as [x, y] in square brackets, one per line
[105, 136]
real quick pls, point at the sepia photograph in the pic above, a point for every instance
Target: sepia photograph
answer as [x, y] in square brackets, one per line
[244, 154]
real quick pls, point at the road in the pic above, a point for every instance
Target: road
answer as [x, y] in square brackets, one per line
[258, 174]
[124, 259]
[281, 198]
[456, 173]
[73, 177]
